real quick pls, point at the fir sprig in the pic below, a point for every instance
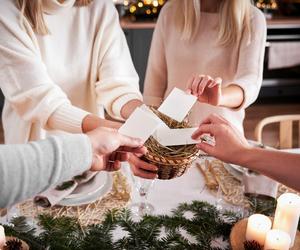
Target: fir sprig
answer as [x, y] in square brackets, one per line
[262, 204]
[60, 233]
[202, 227]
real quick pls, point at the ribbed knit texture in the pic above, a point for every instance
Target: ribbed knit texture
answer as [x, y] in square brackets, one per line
[51, 82]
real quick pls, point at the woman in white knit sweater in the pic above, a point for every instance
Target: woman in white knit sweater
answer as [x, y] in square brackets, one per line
[214, 49]
[61, 62]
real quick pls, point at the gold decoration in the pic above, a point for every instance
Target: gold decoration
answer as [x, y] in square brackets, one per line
[216, 176]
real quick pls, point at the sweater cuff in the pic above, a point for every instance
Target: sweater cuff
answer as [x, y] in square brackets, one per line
[121, 101]
[243, 104]
[67, 118]
[250, 92]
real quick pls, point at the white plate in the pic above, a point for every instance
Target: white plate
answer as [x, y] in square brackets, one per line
[101, 189]
[90, 187]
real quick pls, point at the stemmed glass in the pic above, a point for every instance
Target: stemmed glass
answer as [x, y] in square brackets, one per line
[222, 205]
[142, 207]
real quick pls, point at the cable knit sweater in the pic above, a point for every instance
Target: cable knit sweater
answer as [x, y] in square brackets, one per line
[52, 82]
[173, 61]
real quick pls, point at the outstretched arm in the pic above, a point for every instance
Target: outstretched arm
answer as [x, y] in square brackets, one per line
[232, 147]
[29, 169]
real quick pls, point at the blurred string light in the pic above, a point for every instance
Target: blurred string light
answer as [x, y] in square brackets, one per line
[144, 7]
[267, 4]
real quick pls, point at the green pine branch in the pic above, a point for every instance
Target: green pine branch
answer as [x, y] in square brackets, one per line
[200, 221]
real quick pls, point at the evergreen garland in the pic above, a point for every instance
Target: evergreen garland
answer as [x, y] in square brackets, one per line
[202, 222]
[152, 232]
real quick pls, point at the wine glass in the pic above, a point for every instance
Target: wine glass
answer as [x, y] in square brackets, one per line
[142, 207]
[238, 208]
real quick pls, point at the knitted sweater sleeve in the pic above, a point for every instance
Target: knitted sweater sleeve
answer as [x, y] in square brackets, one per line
[28, 169]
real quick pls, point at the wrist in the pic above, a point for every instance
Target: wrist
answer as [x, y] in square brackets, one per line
[248, 156]
[96, 159]
[129, 107]
[90, 122]
[232, 96]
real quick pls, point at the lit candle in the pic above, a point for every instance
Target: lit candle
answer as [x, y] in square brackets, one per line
[287, 215]
[2, 237]
[257, 227]
[277, 240]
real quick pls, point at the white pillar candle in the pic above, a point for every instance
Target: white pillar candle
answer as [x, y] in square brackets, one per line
[277, 240]
[2, 237]
[287, 215]
[257, 227]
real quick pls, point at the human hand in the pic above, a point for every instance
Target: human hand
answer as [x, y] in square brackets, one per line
[229, 143]
[111, 148]
[207, 89]
[141, 168]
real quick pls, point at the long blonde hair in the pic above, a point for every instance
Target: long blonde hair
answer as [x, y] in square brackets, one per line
[32, 10]
[234, 16]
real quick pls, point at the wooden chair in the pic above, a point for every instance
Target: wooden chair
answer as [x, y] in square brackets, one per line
[285, 129]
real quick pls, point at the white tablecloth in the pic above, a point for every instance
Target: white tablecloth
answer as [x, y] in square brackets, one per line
[166, 195]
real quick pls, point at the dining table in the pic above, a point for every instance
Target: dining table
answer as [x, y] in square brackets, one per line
[166, 195]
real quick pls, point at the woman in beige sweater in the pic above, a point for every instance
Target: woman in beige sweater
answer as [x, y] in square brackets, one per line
[61, 63]
[212, 48]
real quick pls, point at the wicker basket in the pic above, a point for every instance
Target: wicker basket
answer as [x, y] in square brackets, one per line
[171, 161]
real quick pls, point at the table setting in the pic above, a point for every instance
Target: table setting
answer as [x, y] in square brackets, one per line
[197, 201]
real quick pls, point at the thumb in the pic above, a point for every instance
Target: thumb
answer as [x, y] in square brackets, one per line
[130, 142]
[218, 80]
[206, 148]
[98, 163]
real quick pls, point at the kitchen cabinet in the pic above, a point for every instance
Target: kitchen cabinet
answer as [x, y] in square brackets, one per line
[139, 41]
